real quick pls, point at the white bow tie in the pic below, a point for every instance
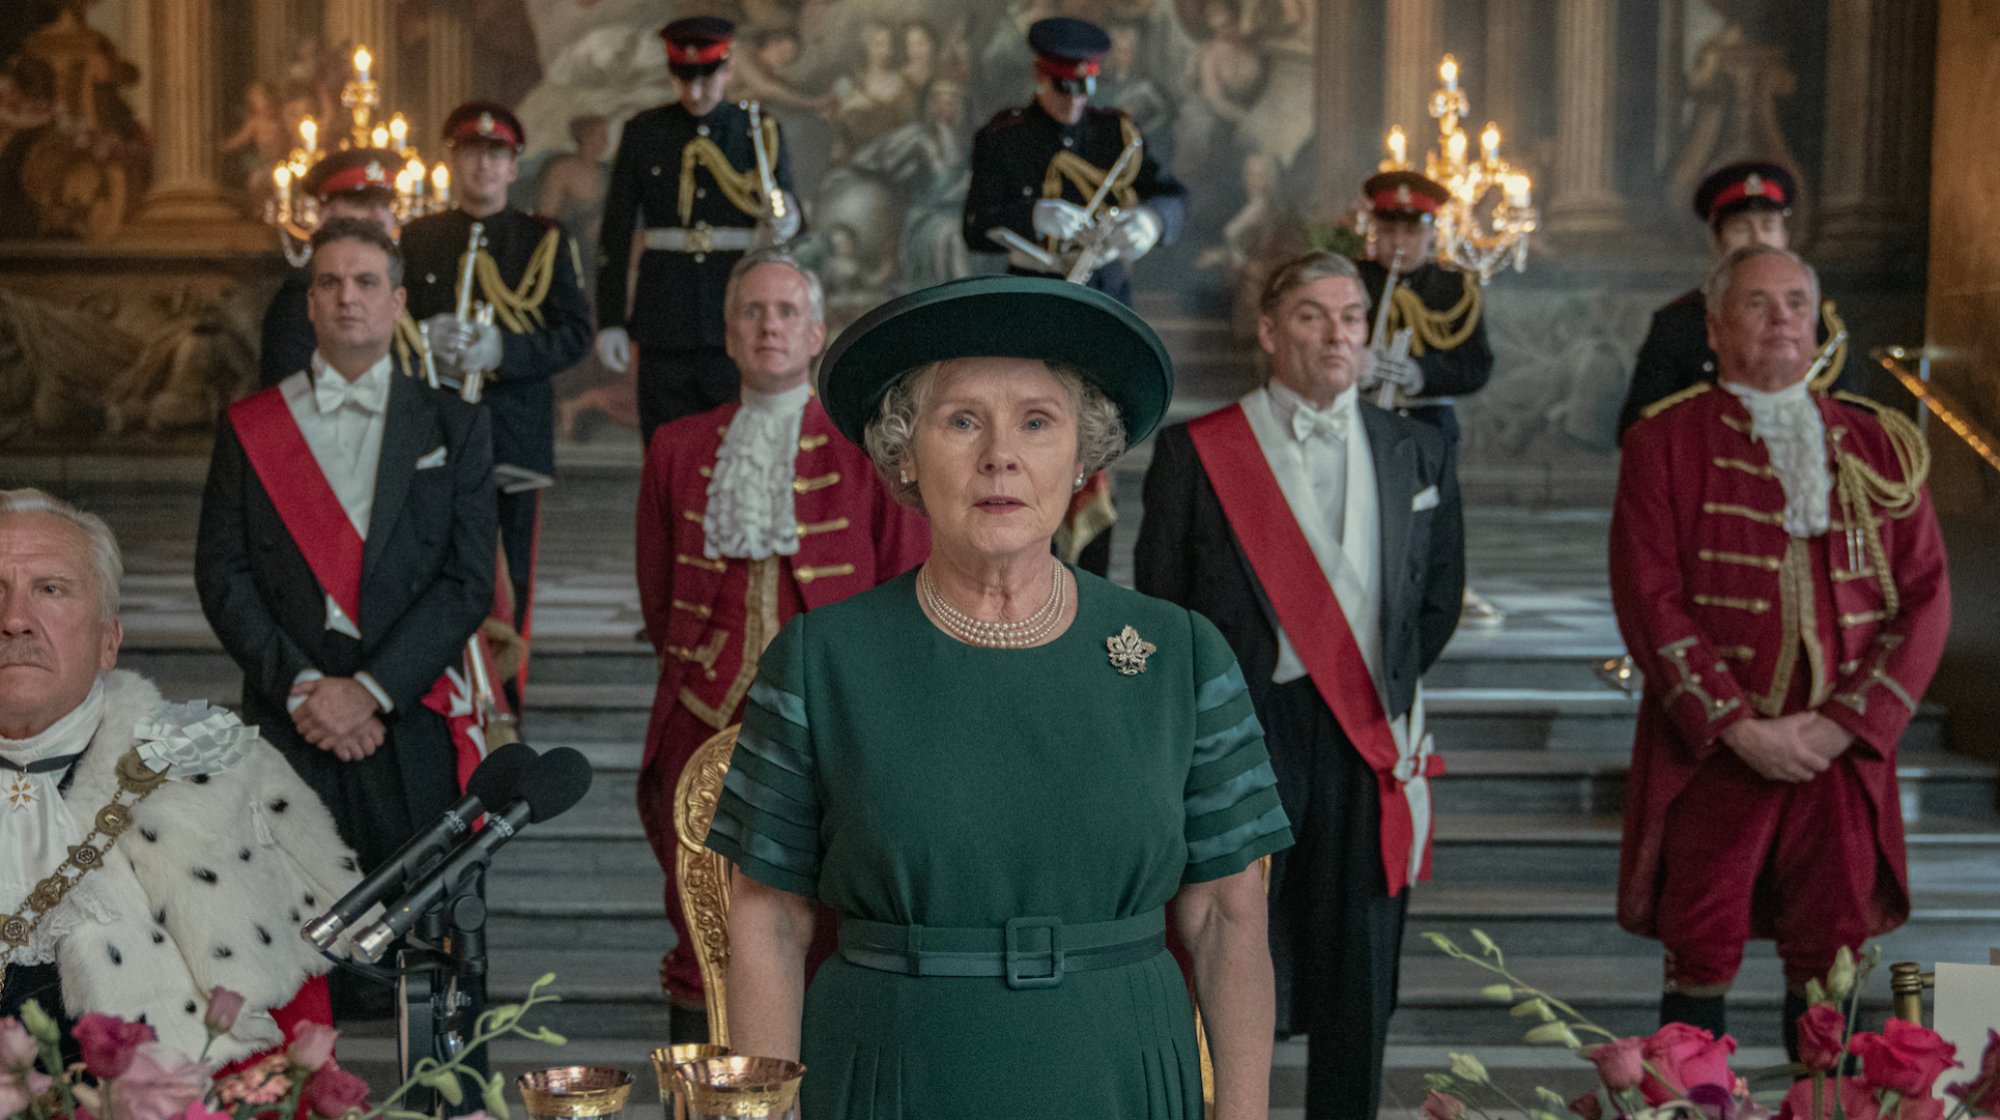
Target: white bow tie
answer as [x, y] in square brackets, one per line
[331, 391]
[1328, 423]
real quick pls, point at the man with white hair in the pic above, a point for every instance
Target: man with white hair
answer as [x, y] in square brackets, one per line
[748, 514]
[1779, 577]
[149, 852]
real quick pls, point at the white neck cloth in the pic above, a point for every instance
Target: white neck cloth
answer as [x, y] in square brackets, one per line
[750, 514]
[1789, 423]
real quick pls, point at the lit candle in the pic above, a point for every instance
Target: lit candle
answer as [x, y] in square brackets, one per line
[416, 171]
[1517, 191]
[282, 179]
[1489, 141]
[309, 134]
[1448, 74]
[1455, 148]
[1398, 146]
[441, 182]
[379, 138]
[362, 61]
[399, 130]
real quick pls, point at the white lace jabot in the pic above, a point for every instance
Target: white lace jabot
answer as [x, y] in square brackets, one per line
[1789, 423]
[750, 514]
[36, 827]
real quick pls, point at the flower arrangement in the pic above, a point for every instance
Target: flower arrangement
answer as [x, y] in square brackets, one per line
[127, 1074]
[1680, 1072]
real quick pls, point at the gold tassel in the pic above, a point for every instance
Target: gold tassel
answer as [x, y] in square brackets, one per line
[519, 309]
[1434, 330]
[1863, 490]
[741, 188]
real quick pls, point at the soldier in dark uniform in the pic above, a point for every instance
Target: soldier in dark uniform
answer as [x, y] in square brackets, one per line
[526, 272]
[1034, 169]
[685, 184]
[1744, 204]
[1444, 311]
[1034, 172]
[354, 183]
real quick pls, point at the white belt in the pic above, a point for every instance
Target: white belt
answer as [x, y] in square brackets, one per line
[701, 239]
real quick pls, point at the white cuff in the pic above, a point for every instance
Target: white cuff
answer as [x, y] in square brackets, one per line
[367, 681]
[293, 701]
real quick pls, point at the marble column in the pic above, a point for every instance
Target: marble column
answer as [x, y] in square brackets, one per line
[185, 190]
[1876, 111]
[1509, 39]
[448, 67]
[369, 23]
[1583, 193]
[1412, 44]
[1339, 150]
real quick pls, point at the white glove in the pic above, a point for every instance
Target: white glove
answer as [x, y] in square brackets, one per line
[1059, 219]
[614, 349]
[1400, 370]
[1137, 231]
[482, 350]
[445, 336]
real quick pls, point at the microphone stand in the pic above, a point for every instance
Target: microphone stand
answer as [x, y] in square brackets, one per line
[442, 987]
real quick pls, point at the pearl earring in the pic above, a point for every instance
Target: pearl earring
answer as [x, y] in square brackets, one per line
[1079, 482]
[903, 477]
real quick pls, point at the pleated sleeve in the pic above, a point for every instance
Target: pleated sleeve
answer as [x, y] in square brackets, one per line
[767, 820]
[1233, 817]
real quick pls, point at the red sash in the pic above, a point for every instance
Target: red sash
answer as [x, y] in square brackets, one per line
[1310, 613]
[305, 501]
[318, 524]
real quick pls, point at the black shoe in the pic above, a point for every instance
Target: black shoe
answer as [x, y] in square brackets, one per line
[1705, 1012]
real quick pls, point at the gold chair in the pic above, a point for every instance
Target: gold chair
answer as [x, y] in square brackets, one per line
[703, 875]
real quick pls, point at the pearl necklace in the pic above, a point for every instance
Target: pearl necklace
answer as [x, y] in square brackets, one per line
[1029, 631]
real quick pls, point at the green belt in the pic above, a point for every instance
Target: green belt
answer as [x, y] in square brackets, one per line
[1029, 952]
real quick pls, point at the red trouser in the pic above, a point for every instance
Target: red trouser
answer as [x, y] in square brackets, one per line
[1796, 861]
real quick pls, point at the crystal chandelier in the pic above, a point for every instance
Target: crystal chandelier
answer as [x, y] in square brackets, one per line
[1484, 226]
[419, 190]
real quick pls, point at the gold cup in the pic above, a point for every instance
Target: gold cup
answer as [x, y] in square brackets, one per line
[673, 1094]
[567, 1092]
[729, 1088]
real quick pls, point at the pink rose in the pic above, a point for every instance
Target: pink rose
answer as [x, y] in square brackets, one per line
[17, 1047]
[1821, 1030]
[196, 1111]
[1441, 1106]
[334, 1092]
[1685, 1057]
[313, 1047]
[223, 1008]
[158, 1084]
[1588, 1106]
[1904, 1057]
[1856, 1102]
[1618, 1063]
[108, 1044]
[1982, 1093]
[267, 1082]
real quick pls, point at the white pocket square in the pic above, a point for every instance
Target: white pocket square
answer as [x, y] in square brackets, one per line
[436, 459]
[1427, 498]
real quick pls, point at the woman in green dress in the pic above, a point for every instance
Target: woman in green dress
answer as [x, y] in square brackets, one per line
[998, 771]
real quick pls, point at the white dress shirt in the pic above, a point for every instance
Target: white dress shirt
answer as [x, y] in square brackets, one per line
[1322, 462]
[342, 422]
[1789, 423]
[750, 513]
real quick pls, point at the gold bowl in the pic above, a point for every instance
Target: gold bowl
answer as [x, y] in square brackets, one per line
[741, 1086]
[575, 1091]
[672, 1090]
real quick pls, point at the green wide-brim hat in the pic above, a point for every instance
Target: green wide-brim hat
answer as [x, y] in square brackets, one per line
[999, 317]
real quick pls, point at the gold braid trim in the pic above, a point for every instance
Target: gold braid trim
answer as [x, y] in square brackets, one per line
[1433, 330]
[1667, 402]
[1086, 177]
[742, 188]
[410, 345]
[135, 782]
[1862, 489]
[519, 309]
[1838, 362]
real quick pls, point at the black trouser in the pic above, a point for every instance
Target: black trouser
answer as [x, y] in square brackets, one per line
[1336, 935]
[682, 381]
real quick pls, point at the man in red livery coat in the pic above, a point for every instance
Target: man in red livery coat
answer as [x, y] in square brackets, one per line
[748, 514]
[1779, 576]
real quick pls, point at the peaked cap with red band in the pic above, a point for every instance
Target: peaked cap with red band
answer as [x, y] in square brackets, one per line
[1404, 192]
[484, 122]
[1068, 48]
[1751, 184]
[698, 41]
[355, 171]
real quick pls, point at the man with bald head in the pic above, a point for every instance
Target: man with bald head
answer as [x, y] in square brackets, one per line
[1779, 577]
[221, 849]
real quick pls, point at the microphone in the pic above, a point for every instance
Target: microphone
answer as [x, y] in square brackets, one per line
[495, 782]
[557, 781]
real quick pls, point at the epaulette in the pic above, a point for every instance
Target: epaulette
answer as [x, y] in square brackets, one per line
[187, 741]
[1007, 118]
[1669, 401]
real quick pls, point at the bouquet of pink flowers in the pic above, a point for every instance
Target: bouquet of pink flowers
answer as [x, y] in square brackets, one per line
[127, 1074]
[1680, 1072]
